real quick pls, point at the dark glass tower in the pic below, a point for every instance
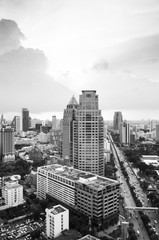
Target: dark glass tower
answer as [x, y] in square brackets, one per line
[25, 119]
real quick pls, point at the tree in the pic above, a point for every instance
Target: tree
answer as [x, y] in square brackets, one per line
[133, 237]
[3, 214]
[131, 231]
[131, 224]
[11, 214]
[154, 237]
[145, 219]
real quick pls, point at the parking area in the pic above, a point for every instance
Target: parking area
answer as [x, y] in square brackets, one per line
[17, 230]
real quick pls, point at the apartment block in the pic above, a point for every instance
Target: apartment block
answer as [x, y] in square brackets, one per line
[57, 220]
[12, 192]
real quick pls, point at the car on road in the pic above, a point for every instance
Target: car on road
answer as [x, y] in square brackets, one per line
[138, 232]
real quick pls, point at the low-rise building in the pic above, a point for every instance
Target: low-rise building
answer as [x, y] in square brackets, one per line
[12, 192]
[57, 220]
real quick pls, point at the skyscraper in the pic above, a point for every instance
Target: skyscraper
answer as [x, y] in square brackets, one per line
[118, 118]
[7, 144]
[54, 123]
[88, 135]
[68, 119]
[157, 133]
[124, 133]
[25, 119]
[16, 124]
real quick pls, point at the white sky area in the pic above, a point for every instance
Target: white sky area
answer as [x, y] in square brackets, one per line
[57, 48]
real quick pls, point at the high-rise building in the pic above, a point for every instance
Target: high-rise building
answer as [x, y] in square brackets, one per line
[68, 119]
[54, 123]
[16, 124]
[157, 133]
[7, 145]
[25, 119]
[95, 196]
[118, 118]
[57, 220]
[124, 133]
[88, 135]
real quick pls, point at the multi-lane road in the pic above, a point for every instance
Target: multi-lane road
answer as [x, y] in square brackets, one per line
[130, 215]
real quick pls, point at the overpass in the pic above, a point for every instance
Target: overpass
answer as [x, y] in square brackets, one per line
[141, 208]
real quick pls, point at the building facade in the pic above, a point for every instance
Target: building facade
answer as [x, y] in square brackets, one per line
[7, 152]
[57, 220]
[54, 123]
[95, 196]
[16, 124]
[68, 119]
[25, 119]
[124, 133]
[12, 192]
[157, 133]
[88, 135]
[118, 118]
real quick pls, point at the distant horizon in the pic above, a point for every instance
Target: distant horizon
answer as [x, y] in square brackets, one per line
[106, 114]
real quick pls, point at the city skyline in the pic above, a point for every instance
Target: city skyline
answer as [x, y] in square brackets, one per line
[51, 50]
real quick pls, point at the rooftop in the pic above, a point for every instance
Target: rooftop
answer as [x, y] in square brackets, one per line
[57, 209]
[73, 101]
[89, 237]
[94, 181]
[150, 156]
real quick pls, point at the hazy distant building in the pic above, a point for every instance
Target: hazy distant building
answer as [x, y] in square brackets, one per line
[118, 118]
[68, 128]
[45, 129]
[57, 220]
[16, 124]
[25, 119]
[54, 123]
[88, 135]
[124, 133]
[37, 127]
[152, 125]
[157, 133]
[7, 144]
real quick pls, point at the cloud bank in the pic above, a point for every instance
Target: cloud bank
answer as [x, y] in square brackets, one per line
[24, 80]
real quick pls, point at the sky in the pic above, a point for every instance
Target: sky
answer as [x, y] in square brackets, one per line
[53, 49]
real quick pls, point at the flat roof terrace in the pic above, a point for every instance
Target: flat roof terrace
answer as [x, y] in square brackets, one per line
[92, 180]
[58, 209]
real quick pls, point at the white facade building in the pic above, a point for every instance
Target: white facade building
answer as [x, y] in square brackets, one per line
[12, 193]
[57, 220]
[124, 133]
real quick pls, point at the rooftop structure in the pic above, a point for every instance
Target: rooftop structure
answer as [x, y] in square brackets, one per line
[58, 209]
[89, 237]
[149, 157]
[94, 181]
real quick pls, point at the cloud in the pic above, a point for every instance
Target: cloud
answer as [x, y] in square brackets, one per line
[136, 50]
[101, 65]
[24, 80]
[10, 35]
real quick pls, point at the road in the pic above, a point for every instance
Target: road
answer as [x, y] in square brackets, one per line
[131, 215]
